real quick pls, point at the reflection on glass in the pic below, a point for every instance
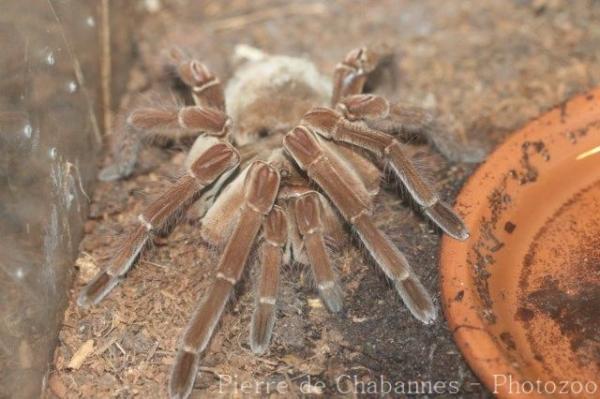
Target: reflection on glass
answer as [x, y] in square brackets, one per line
[47, 144]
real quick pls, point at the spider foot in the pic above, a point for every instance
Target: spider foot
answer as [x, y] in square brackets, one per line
[443, 216]
[309, 219]
[116, 171]
[97, 289]
[332, 296]
[183, 375]
[125, 150]
[275, 231]
[417, 299]
[263, 320]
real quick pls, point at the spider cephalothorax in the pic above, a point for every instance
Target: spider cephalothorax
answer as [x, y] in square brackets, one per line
[283, 167]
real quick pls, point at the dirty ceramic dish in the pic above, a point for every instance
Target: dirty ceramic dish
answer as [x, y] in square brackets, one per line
[522, 295]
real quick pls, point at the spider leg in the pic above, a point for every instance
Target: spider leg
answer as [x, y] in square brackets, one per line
[351, 74]
[203, 169]
[263, 318]
[409, 123]
[125, 150]
[223, 214]
[308, 211]
[333, 125]
[305, 149]
[398, 119]
[145, 124]
[174, 123]
[262, 184]
[152, 123]
[206, 88]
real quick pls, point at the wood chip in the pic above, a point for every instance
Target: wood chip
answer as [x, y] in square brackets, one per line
[315, 303]
[87, 266]
[82, 353]
[357, 319]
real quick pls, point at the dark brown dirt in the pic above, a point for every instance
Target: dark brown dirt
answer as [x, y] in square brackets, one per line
[575, 310]
[487, 67]
[576, 314]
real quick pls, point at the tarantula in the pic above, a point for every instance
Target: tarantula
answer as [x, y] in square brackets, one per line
[259, 176]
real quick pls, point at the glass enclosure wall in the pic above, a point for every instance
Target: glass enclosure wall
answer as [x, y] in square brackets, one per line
[50, 133]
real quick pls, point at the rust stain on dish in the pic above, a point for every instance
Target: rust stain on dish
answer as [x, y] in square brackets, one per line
[523, 294]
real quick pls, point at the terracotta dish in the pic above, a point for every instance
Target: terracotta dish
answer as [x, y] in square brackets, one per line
[522, 295]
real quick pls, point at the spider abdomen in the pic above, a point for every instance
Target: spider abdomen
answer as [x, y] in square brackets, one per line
[270, 93]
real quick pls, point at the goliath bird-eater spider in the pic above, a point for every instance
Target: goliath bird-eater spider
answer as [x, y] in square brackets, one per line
[282, 166]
